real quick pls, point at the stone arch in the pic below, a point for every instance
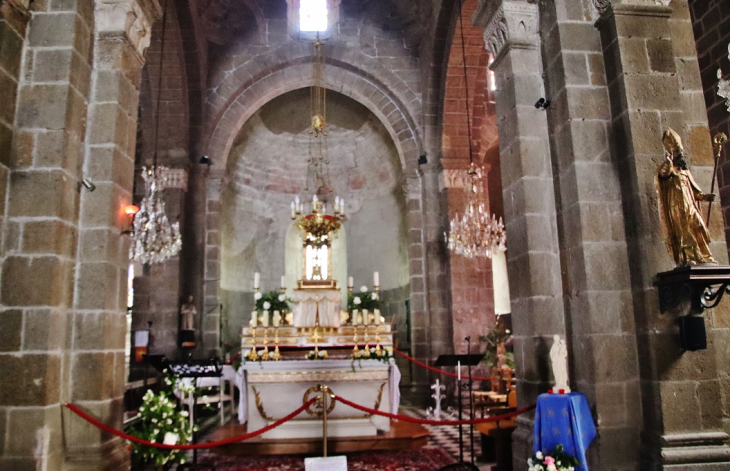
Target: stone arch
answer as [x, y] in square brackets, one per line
[382, 92]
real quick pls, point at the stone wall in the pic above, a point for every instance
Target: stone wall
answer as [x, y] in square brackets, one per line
[711, 26]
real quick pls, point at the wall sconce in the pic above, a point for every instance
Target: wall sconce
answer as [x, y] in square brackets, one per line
[130, 211]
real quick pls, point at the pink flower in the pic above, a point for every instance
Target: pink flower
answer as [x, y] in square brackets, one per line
[549, 460]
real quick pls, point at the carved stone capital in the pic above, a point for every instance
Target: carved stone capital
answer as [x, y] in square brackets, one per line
[131, 18]
[512, 24]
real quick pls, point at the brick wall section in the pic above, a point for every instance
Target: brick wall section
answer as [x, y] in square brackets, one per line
[711, 26]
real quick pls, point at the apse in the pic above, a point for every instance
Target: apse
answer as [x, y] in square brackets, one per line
[267, 168]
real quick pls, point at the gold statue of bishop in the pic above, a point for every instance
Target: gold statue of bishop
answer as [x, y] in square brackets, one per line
[685, 232]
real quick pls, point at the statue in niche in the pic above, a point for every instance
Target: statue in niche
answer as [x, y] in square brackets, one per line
[685, 233]
[187, 325]
[559, 360]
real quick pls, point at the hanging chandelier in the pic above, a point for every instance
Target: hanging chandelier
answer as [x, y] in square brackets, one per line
[154, 239]
[317, 224]
[477, 232]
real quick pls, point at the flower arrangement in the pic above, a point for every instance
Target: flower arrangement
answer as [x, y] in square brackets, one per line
[363, 300]
[495, 341]
[319, 355]
[272, 301]
[373, 353]
[556, 460]
[161, 422]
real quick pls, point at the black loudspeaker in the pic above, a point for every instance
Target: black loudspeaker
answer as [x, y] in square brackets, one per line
[692, 335]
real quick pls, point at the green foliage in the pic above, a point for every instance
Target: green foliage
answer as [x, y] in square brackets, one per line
[276, 302]
[557, 459]
[493, 339]
[158, 417]
[363, 300]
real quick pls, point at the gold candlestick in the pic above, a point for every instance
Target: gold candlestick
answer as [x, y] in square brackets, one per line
[366, 339]
[265, 355]
[276, 356]
[354, 340]
[253, 354]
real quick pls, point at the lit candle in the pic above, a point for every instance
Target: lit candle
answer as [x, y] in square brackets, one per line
[277, 318]
[376, 279]
[282, 281]
[293, 210]
[254, 318]
[256, 280]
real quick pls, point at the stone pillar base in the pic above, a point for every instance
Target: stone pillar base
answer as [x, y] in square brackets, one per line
[695, 451]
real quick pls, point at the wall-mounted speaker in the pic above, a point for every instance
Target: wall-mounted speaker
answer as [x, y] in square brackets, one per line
[692, 334]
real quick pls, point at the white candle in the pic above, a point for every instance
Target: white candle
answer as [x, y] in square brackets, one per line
[365, 317]
[254, 318]
[282, 281]
[296, 200]
[256, 280]
[277, 318]
[265, 322]
[314, 199]
[377, 317]
[293, 210]
[376, 279]
[342, 206]
[350, 282]
[458, 370]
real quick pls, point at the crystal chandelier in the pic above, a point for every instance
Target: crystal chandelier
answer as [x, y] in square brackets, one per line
[477, 233]
[154, 239]
[724, 85]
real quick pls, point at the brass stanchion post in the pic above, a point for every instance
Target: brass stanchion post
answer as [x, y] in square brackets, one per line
[325, 393]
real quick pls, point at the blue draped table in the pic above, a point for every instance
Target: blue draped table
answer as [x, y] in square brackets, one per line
[564, 419]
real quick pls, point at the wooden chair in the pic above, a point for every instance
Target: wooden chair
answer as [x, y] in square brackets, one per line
[497, 435]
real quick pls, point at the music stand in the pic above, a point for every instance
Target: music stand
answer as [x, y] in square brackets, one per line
[193, 369]
[456, 360]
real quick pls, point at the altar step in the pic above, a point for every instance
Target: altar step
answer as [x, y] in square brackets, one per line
[402, 436]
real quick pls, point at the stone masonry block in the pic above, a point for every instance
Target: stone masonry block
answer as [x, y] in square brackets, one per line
[49, 236]
[43, 106]
[653, 92]
[44, 329]
[11, 326]
[37, 281]
[97, 286]
[661, 55]
[36, 379]
[92, 376]
[42, 193]
[680, 406]
[52, 65]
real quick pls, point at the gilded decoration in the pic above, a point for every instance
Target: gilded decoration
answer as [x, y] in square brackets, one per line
[685, 232]
[316, 409]
[260, 406]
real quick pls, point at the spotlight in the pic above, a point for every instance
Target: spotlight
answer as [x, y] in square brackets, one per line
[422, 160]
[87, 184]
[205, 160]
[542, 104]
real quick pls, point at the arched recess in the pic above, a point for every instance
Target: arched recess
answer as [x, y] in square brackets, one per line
[385, 95]
[347, 80]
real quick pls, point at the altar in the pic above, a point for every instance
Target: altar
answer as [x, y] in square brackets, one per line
[272, 390]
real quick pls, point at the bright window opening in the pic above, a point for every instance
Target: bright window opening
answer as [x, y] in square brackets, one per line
[492, 78]
[313, 15]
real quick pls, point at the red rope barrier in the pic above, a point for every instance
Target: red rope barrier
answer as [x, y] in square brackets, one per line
[414, 420]
[230, 362]
[474, 378]
[198, 446]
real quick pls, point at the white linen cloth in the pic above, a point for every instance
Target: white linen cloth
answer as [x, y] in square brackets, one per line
[394, 380]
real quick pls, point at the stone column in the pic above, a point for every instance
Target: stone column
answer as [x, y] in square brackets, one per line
[96, 355]
[40, 233]
[211, 270]
[533, 259]
[654, 82]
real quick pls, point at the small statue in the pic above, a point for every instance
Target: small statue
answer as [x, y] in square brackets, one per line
[685, 232]
[559, 360]
[188, 313]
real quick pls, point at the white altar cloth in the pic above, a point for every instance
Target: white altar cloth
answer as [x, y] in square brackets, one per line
[305, 307]
[311, 370]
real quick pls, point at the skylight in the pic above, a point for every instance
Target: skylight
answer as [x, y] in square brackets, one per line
[313, 15]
